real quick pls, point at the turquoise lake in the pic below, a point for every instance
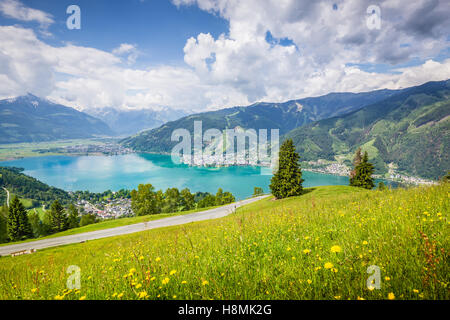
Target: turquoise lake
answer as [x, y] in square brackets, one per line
[100, 173]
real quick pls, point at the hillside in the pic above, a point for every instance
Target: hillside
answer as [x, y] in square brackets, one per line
[315, 246]
[410, 129]
[284, 116]
[130, 122]
[32, 119]
[27, 187]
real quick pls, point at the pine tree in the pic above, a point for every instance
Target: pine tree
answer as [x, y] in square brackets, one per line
[18, 226]
[72, 220]
[356, 161]
[57, 217]
[363, 174]
[287, 181]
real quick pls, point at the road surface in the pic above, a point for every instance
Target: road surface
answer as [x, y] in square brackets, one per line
[7, 198]
[132, 228]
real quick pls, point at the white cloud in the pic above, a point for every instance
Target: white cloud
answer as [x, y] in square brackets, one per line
[128, 50]
[328, 40]
[240, 67]
[16, 10]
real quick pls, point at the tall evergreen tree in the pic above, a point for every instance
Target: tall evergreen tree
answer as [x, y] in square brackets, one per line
[363, 174]
[72, 220]
[287, 181]
[356, 161]
[57, 216]
[18, 226]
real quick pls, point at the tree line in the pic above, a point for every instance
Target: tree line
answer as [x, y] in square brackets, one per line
[146, 201]
[16, 223]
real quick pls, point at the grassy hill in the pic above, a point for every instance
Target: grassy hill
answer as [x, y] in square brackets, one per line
[28, 187]
[410, 129]
[315, 246]
[284, 116]
[32, 119]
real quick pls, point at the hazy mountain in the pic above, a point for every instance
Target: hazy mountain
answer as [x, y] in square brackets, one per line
[410, 129]
[129, 122]
[31, 119]
[284, 116]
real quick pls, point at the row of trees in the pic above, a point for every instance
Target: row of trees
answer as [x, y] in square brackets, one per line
[145, 200]
[287, 181]
[17, 224]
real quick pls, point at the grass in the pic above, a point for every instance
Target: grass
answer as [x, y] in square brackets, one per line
[113, 223]
[267, 250]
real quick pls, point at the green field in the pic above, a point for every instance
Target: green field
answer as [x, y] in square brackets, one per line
[107, 224]
[315, 246]
[36, 149]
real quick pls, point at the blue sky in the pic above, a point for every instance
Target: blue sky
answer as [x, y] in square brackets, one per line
[157, 27]
[207, 54]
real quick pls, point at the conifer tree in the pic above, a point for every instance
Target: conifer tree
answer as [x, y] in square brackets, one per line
[57, 217]
[363, 174]
[287, 181]
[18, 226]
[72, 220]
[356, 161]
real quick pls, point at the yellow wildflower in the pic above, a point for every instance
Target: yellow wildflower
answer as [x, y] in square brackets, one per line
[336, 249]
[391, 296]
[173, 272]
[328, 265]
[165, 281]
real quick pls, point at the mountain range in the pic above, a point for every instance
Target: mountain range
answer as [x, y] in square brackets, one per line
[32, 119]
[283, 116]
[405, 129]
[128, 122]
[411, 130]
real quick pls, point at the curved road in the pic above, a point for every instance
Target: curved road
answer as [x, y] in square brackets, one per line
[7, 199]
[165, 222]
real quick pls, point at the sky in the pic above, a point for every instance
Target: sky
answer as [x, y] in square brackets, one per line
[198, 55]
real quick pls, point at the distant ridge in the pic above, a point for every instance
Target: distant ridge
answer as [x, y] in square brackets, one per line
[32, 119]
[263, 115]
[410, 130]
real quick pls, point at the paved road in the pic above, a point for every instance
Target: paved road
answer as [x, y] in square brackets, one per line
[165, 222]
[7, 199]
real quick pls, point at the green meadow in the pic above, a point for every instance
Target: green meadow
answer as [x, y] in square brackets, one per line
[106, 224]
[315, 246]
